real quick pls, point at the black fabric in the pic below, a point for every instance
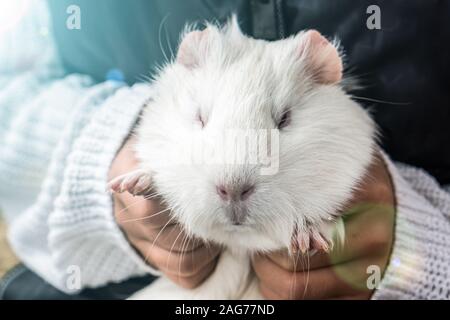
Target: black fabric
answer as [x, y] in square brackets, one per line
[406, 64]
[20, 283]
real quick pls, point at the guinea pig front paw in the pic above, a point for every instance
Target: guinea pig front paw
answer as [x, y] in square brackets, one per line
[311, 240]
[328, 234]
[136, 182]
[320, 238]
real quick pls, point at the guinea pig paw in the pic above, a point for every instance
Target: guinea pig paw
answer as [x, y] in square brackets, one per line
[135, 182]
[113, 185]
[327, 234]
[300, 242]
[143, 184]
[321, 241]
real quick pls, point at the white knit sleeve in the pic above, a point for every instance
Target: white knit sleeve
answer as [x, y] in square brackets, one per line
[71, 226]
[420, 259]
[37, 100]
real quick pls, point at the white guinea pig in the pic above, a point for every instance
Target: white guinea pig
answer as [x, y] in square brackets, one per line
[224, 84]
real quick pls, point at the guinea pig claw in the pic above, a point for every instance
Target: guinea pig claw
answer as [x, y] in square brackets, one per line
[303, 242]
[134, 182]
[128, 183]
[299, 242]
[294, 244]
[320, 242]
[143, 185]
[114, 184]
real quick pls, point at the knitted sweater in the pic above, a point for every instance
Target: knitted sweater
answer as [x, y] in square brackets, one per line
[58, 137]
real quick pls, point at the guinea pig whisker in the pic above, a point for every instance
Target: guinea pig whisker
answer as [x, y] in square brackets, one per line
[169, 45]
[151, 196]
[157, 236]
[308, 265]
[171, 248]
[130, 205]
[136, 202]
[380, 101]
[185, 244]
[294, 278]
[161, 25]
[146, 217]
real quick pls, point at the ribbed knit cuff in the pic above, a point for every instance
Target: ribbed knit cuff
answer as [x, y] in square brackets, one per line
[420, 259]
[82, 229]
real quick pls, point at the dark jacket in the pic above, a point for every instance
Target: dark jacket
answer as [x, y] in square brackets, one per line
[405, 64]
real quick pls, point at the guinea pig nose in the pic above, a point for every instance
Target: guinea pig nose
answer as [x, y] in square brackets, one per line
[236, 193]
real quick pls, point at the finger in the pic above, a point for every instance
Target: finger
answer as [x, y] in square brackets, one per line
[267, 293]
[125, 160]
[177, 240]
[183, 264]
[150, 212]
[171, 237]
[367, 233]
[168, 237]
[362, 296]
[140, 229]
[346, 279]
[195, 280]
[138, 223]
[375, 187]
[299, 262]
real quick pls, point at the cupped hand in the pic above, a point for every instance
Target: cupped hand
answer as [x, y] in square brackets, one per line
[150, 229]
[351, 271]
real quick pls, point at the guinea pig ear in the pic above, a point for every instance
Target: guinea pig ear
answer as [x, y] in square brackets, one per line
[193, 48]
[322, 57]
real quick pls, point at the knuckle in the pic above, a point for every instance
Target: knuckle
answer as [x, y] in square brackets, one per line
[382, 191]
[190, 284]
[187, 265]
[381, 234]
[139, 211]
[288, 288]
[119, 211]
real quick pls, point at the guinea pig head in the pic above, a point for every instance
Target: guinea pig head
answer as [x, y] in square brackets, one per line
[249, 139]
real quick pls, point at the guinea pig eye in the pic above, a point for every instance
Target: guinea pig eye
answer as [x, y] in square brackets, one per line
[284, 120]
[200, 120]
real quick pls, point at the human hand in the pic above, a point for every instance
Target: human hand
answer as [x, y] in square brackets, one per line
[160, 241]
[343, 273]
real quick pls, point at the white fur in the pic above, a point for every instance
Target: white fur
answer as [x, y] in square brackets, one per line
[243, 83]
